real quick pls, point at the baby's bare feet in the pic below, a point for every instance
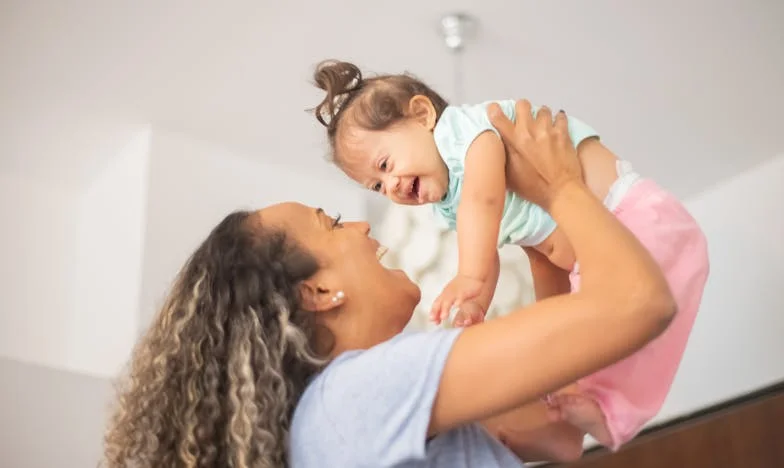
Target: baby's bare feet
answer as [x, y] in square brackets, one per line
[581, 412]
[469, 313]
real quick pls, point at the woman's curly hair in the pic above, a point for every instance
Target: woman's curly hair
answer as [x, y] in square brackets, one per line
[214, 381]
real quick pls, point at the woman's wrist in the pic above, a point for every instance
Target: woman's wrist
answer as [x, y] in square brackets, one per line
[565, 196]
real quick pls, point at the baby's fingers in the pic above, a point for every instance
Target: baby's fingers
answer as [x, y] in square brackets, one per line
[447, 306]
[435, 310]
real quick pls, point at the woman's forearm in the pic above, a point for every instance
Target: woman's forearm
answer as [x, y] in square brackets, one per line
[613, 262]
[623, 303]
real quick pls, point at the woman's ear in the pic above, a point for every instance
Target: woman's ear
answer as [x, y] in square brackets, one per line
[320, 298]
[421, 109]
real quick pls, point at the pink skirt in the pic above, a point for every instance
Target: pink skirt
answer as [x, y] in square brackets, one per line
[631, 392]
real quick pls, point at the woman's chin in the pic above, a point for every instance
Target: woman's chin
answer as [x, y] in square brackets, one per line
[410, 288]
[416, 294]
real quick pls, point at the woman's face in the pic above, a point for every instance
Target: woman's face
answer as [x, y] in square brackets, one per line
[376, 303]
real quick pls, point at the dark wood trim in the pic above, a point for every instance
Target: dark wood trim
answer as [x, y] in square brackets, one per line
[721, 420]
[698, 415]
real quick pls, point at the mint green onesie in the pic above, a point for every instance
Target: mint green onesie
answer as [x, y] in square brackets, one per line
[523, 223]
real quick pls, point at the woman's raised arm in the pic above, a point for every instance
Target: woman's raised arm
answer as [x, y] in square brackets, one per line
[624, 301]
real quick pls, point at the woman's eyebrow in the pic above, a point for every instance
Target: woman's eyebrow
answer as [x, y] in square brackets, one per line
[320, 214]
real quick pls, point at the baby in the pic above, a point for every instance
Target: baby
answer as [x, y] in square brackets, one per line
[396, 136]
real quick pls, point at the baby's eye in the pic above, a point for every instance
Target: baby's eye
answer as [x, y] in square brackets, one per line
[376, 187]
[336, 222]
[383, 165]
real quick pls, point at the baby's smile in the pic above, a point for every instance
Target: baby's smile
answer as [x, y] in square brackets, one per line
[414, 190]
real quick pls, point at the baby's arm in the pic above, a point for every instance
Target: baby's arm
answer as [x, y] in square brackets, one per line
[474, 311]
[481, 207]
[478, 222]
[488, 288]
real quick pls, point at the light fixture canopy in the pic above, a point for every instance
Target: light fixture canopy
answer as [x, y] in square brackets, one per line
[456, 29]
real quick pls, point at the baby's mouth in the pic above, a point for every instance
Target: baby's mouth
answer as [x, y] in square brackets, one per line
[415, 189]
[380, 252]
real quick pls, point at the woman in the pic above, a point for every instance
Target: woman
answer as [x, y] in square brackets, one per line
[289, 308]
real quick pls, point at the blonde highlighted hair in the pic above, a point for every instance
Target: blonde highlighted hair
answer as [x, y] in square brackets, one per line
[214, 381]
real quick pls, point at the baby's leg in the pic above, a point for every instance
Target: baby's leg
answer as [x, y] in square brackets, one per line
[631, 392]
[583, 413]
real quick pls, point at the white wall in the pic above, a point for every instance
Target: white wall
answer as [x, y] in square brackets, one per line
[50, 418]
[72, 263]
[109, 260]
[194, 184]
[737, 344]
[84, 271]
[37, 242]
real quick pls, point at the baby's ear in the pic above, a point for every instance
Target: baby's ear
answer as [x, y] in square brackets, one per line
[422, 110]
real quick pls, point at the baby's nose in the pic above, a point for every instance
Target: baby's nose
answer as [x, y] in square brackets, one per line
[396, 185]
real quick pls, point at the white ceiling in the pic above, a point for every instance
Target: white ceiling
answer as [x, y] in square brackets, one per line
[691, 91]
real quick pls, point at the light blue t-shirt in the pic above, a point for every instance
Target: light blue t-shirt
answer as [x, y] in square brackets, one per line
[371, 409]
[523, 222]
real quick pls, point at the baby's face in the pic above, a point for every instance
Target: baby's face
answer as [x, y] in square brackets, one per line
[558, 250]
[402, 162]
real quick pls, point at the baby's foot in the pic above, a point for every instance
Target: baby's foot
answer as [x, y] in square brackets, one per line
[583, 413]
[468, 314]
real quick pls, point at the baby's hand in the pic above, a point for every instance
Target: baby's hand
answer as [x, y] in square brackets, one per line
[461, 289]
[469, 313]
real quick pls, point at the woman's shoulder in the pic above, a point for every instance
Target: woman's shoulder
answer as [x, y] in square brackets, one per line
[359, 392]
[315, 435]
[363, 369]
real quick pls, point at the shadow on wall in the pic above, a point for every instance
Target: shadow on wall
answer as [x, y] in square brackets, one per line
[50, 418]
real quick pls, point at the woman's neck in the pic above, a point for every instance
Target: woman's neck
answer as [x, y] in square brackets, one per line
[348, 329]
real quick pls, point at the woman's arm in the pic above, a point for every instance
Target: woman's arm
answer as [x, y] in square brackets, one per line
[558, 340]
[528, 431]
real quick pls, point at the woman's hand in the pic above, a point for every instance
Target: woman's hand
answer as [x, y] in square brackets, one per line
[541, 158]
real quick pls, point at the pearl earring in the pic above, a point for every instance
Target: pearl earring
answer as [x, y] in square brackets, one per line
[338, 296]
